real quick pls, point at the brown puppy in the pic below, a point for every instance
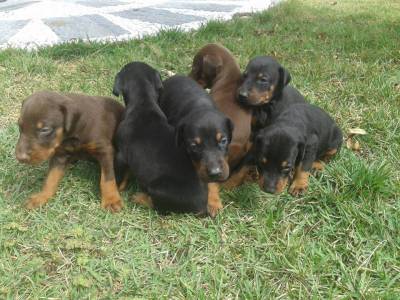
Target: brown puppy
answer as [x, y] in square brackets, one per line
[215, 67]
[64, 128]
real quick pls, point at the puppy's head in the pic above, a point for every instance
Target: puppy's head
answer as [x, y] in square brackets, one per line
[46, 118]
[206, 139]
[263, 79]
[205, 68]
[276, 152]
[135, 81]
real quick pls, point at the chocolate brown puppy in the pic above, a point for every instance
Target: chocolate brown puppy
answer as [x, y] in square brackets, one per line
[62, 128]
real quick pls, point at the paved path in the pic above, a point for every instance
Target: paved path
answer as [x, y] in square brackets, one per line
[30, 23]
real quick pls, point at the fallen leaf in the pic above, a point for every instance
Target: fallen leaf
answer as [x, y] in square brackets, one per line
[357, 131]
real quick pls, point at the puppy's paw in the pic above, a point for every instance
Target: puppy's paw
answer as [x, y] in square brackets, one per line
[113, 204]
[297, 189]
[143, 199]
[214, 208]
[36, 200]
[317, 166]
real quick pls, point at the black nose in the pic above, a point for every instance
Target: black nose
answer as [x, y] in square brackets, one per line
[269, 189]
[215, 172]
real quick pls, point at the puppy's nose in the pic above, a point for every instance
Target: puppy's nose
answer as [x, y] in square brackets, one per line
[22, 157]
[243, 93]
[215, 172]
[269, 188]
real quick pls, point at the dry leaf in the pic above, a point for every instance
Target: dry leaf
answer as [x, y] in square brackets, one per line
[357, 131]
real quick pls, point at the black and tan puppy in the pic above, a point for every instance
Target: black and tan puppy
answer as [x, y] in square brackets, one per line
[201, 129]
[216, 68]
[63, 128]
[146, 146]
[298, 140]
[265, 89]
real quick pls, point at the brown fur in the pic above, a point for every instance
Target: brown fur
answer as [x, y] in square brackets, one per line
[214, 201]
[258, 98]
[79, 127]
[300, 181]
[143, 199]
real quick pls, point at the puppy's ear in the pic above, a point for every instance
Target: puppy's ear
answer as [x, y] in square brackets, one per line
[71, 115]
[179, 131]
[158, 82]
[230, 126]
[211, 66]
[197, 67]
[284, 77]
[117, 86]
[300, 152]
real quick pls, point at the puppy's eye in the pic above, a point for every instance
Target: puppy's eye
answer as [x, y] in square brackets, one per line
[263, 80]
[45, 131]
[286, 170]
[223, 142]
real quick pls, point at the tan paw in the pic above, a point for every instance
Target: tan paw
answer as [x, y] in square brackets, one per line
[113, 204]
[214, 208]
[36, 200]
[297, 189]
[143, 199]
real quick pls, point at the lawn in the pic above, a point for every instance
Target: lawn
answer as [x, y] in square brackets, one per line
[340, 240]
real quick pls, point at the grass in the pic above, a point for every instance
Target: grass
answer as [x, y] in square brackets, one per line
[340, 240]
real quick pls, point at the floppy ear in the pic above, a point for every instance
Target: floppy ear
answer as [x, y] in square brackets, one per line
[117, 86]
[211, 66]
[179, 135]
[197, 67]
[284, 77]
[300, 152]
[230, 127]
[158, 83]
[71, 115]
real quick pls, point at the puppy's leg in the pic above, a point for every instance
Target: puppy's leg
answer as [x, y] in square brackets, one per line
[55, 174]
[302, 171]
[300, 181]
[214, 204]
[110, 197]
[121, 172]
[237, 178]
[318, 165]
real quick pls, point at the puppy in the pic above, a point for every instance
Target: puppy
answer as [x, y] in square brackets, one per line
[300, 138]
[201, 129]
[146, 146]
[214, 67]
[63, 128]
[265, 89]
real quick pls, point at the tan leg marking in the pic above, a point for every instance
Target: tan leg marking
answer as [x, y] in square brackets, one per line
[329, 154]
[49, 189]
[236, 179]
[300, 182]
[143, 199]
[110, 197]
[318, 165]
[214, 204]
[124, 182]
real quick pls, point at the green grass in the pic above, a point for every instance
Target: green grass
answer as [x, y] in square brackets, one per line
[339, 241]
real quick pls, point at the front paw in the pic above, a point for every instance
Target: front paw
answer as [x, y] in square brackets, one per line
[113, 204]
[36, 200]
[214, 208]
[297, 189]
